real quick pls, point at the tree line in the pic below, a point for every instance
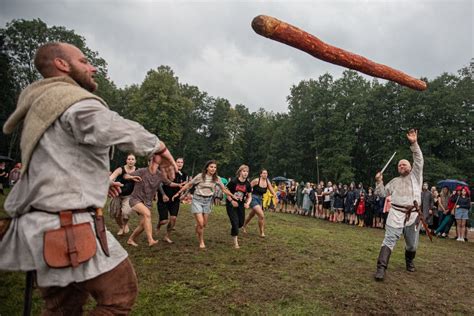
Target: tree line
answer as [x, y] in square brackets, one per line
[340, 129]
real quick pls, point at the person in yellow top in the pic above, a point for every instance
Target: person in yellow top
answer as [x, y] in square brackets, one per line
[268, 197]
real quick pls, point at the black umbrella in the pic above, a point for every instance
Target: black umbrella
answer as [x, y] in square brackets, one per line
[5, 159]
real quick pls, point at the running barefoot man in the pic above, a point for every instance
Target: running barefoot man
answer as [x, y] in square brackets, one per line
[404, 190]
[260, 186]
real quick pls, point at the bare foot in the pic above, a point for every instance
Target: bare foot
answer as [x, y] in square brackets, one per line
[236, 246]
[152, 243]
[169, 241]
[126, 230]
[262, 236]
[244, 229]
[202, 247]
[132, 243]
[120, 232]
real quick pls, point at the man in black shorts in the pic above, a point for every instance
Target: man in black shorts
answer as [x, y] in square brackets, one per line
[167, 206]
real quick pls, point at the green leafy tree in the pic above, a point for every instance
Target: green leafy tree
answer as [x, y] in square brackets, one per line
[19, 41]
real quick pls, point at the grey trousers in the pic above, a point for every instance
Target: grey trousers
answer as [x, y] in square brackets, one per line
[411, 235]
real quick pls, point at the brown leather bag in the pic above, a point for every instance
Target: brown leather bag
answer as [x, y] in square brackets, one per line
[69, 245]
[4, 225]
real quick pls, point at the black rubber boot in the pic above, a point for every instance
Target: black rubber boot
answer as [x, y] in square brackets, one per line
[409, 256]
[382, 263]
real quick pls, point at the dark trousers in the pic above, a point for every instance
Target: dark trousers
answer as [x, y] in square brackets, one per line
[445, 225]
[114, 291]
[236, 216]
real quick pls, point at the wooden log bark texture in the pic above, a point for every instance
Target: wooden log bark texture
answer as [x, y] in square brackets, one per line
[288, 34]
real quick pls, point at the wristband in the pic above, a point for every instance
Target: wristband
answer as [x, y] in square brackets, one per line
[161, 151]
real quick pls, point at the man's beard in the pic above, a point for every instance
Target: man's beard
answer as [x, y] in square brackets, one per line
[83, 79]
[405, 173]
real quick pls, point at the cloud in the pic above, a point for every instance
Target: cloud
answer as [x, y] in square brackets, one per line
[249, 80]
[210, 44]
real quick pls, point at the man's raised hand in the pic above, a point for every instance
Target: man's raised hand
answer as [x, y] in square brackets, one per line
[412, 136]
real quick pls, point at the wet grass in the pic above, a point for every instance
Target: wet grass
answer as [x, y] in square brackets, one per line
[304, 266]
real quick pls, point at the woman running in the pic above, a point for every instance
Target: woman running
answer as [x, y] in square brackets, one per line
[204, 186]
[167, 207]
[259, 188]
[242, 191]
[121, 217]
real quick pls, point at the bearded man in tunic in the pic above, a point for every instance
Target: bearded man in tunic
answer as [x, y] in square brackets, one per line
[404, 191]
[66, 139]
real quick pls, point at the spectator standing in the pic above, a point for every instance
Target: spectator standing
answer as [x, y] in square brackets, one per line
[426, 205]
[339, 195]
[327, 200]
[360, 209]
[307, 203]
[350, 204]
[461, 214]
[435, 195]
[299, 196]
[442, 204]
[370, 206]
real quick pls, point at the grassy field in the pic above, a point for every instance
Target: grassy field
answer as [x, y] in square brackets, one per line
[304, 266]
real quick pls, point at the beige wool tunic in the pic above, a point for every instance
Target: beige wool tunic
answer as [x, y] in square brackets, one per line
[404, 190]
[69, 169]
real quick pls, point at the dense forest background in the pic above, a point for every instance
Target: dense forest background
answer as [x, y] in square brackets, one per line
[335, 129]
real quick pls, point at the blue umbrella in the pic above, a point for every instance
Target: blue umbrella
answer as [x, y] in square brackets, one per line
[451, 184]
[280, 179]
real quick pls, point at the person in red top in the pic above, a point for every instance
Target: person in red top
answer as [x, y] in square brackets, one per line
[360, 209]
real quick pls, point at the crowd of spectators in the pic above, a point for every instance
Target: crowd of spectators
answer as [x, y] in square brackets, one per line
[358, 205]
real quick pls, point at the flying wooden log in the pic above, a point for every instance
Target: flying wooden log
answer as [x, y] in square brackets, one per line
[288, 34]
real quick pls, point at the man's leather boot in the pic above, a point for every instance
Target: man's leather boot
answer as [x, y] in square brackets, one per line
[409, 256]
[382, 262]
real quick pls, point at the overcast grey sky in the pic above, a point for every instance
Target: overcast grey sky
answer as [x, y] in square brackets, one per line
[210, 44]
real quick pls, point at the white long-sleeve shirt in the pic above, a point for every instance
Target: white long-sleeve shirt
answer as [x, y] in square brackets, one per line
[69, 169]
[404, 190]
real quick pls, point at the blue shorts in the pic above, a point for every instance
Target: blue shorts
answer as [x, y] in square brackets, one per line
[461, 213]
[256, 200]
[201, 204]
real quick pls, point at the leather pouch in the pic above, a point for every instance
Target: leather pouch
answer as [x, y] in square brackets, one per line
[69, 245]
[4, 225]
